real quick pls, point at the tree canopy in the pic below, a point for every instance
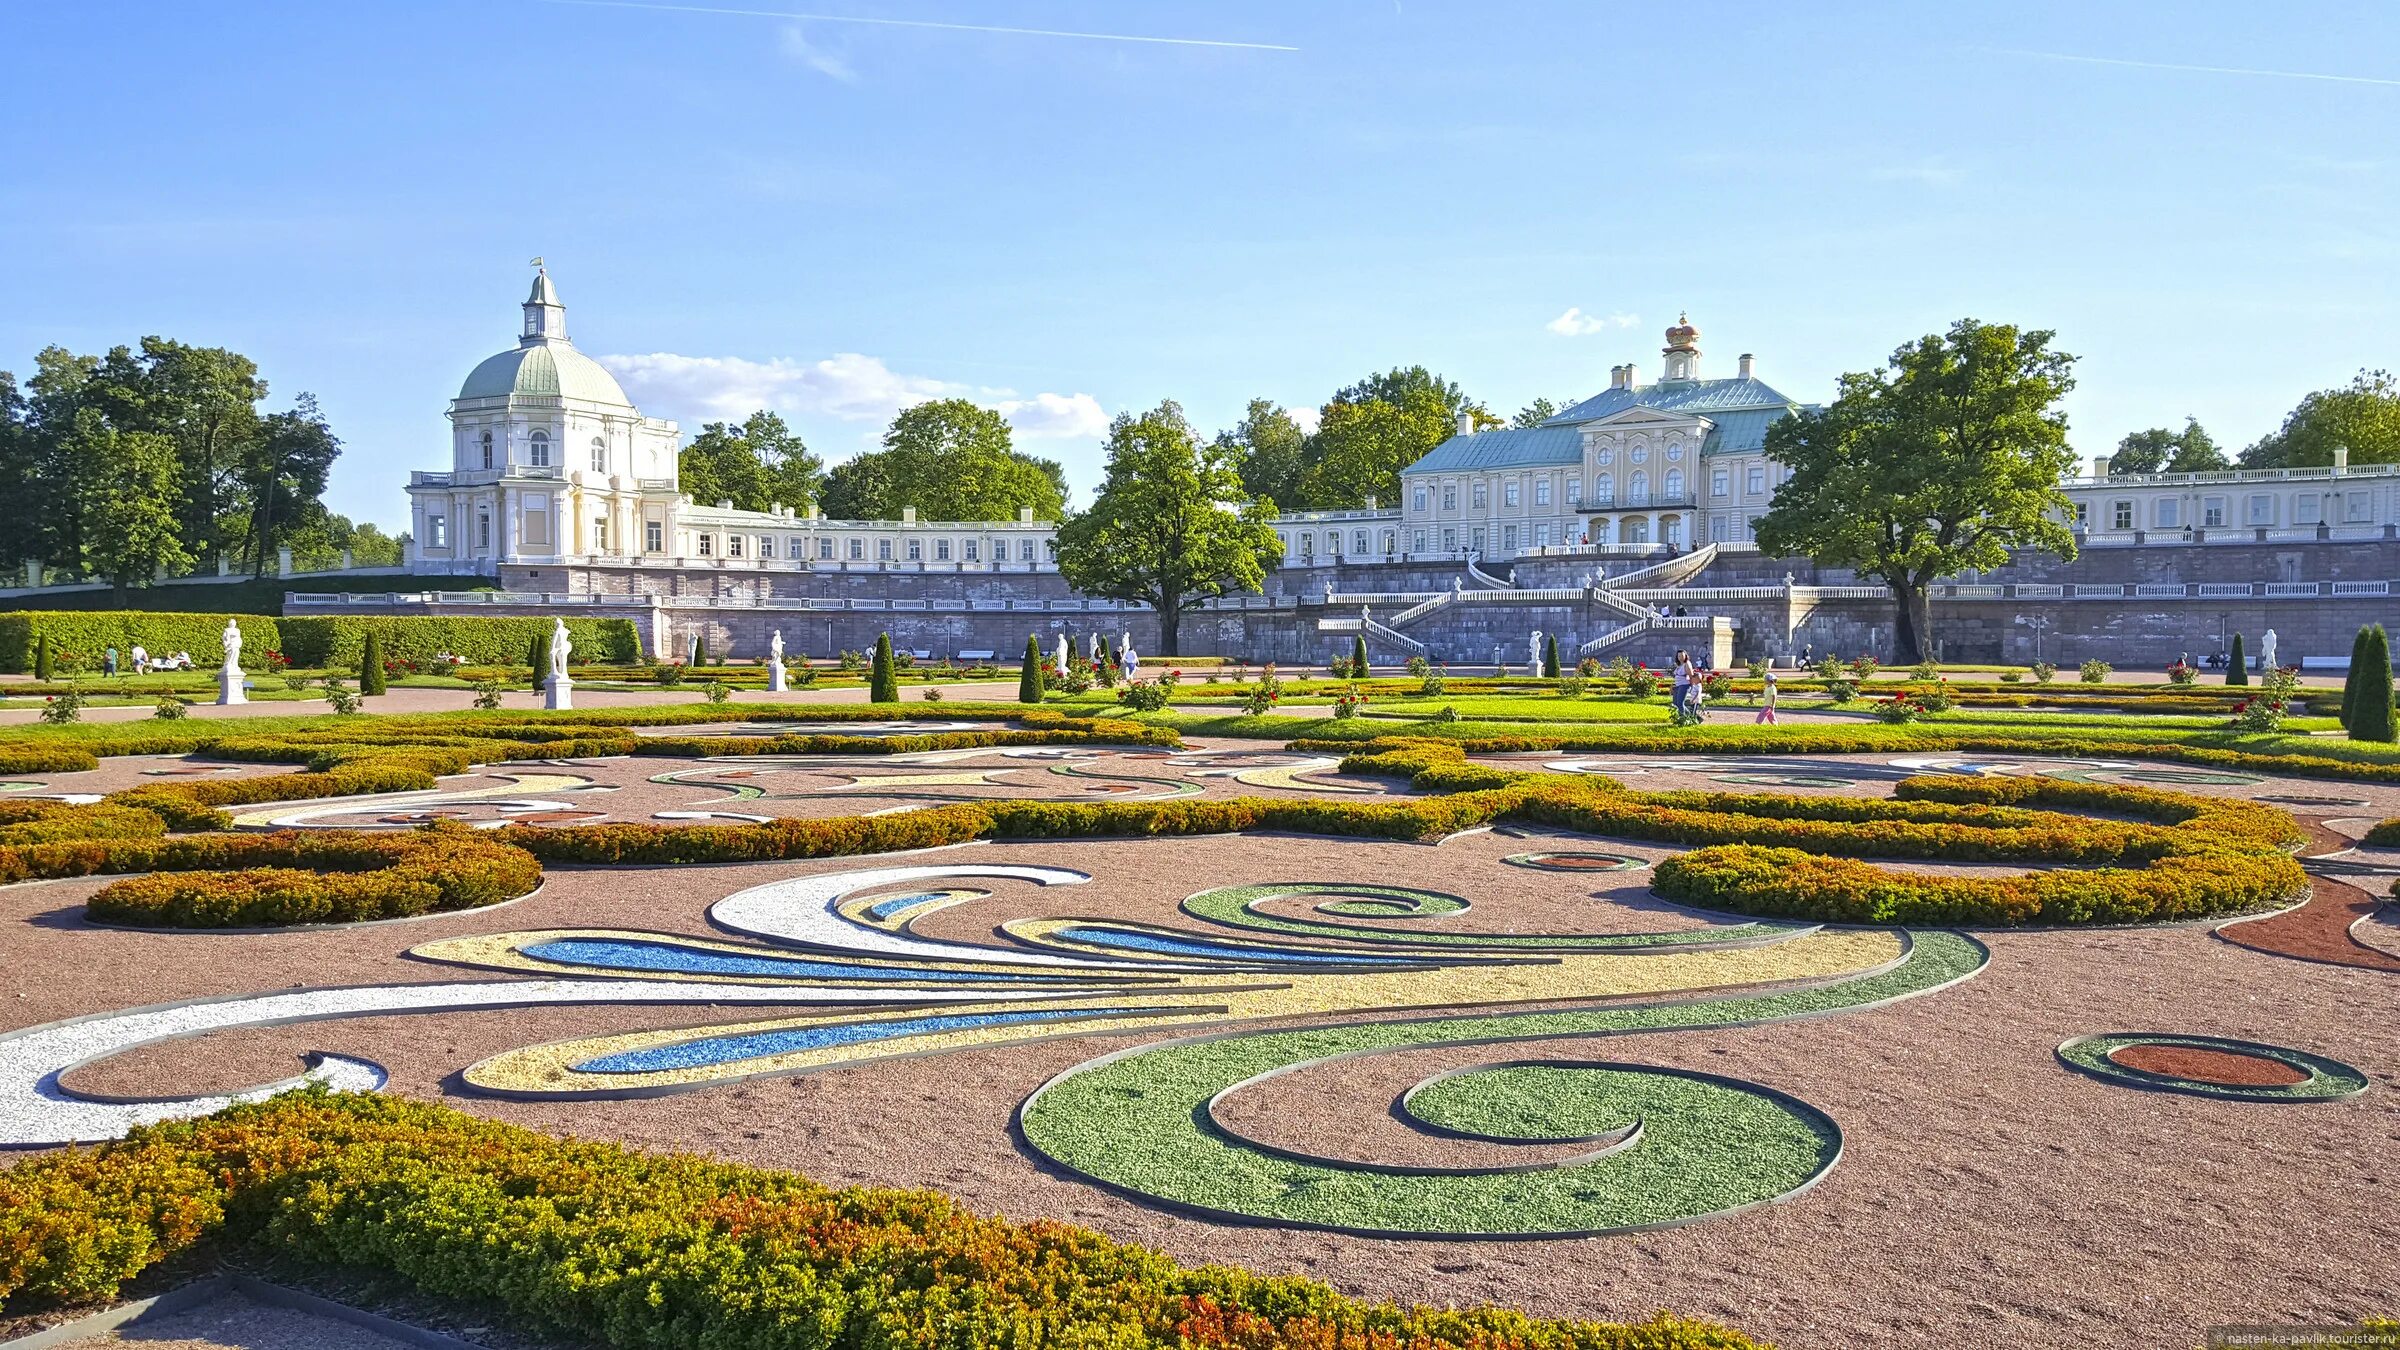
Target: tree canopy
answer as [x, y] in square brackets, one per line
[2160, 450]
[1366, 434]
[1269, 450]
[1171, 526]
[952, 460]
[757, 464]
[229, 480]
[1534, 414]
[1947, 459]
[2365, 416]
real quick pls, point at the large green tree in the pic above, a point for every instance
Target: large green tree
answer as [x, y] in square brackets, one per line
[1360, 448]
[206, 399]
[952, 460]
[2162, 450]
[1269, 450]
[1948, 458]
[130, 530]
[1171, 526]
[1402, 384]
[1534, 414]
[281, 474]
[756, 463]
[2365, 417]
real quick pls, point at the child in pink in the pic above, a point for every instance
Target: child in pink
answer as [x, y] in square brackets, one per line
[1766, 701]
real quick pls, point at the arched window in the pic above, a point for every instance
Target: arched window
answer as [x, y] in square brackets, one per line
[599, 455]
[1638, 491]
[487, 449]
[537, 451]
[1674, 485]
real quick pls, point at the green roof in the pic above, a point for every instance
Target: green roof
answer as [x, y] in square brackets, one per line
[1739, 412]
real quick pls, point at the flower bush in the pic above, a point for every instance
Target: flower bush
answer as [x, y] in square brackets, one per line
[2182, 673]
[2095, 671]
[1641, 681]
[1261, 700]
[1863, 668]
[598, 1243]
[63, 707]
[1899, 709]
[2043, 671]
[1144, 696]
[1347, 704]
[171, 709]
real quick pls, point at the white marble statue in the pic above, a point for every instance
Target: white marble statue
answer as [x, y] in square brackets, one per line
[1533, 653]
[1095, 649]
[1062, 653]
[229, 676]
[559, 691]
[2266, 650]
[777, 682]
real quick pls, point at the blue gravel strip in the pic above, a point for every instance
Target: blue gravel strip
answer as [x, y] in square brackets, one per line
[728, 1049]
[1202, 949]
[619, 954]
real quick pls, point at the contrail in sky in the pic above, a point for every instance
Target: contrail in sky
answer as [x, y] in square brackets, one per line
[928, 23]
[2202, 70]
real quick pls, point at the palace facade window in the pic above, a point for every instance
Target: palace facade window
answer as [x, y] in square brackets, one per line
[1758, 479]
[1483, 496]
[1541, 492]
[654, 536]
[883, 550]
[708, 545]
[1720, 483]
[487, 449]
[437, 532]
[1024, 550]
[1419, 498]
[941, 550]
[537, 449]
[1508, 494]
[1449, 497]
[2120, 515]
[599, 455]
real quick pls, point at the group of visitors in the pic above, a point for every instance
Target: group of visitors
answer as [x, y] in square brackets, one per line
[142, 662]
[1691, 690]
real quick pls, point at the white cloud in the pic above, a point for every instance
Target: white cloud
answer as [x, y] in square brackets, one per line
[846, 386]
[1055, 416]
[1576, 323]
[797, 46]
[1930, 172]
[1308, 415]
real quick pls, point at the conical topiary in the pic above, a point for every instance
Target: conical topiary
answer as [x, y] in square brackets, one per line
[2371, 716]
[1029, 679]
[537, 656]
[1358, 657]
[2237, 666]
[370, 664]
[2352, 685]
[1550, 655]
[41, 656]
[699, 649]
[883, 682]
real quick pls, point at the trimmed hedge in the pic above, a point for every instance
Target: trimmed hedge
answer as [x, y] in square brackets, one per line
[87, 634]
[603, 1244]
[2385, 834]
[339, 640]
[332, 876]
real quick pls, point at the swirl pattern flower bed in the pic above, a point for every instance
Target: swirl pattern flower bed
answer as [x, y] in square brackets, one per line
[2211, 1066]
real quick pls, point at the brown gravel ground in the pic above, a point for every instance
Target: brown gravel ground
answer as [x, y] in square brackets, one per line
[1986, 1198]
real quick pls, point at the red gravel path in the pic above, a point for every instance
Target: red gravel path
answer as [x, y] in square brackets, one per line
[2222, 1067]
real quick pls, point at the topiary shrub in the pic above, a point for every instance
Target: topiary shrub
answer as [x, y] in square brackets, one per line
[883, 681]
[2371, 715]
[1029, 677]
[1550, 666]
[2237, 665]
[41, 657]
[2354, 681]
[370, 665]
[537, 659]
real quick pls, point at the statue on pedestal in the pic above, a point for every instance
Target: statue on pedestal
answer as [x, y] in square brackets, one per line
[2266, 650]
[776, 680]
[229, 676]
[559, 692]
[1533, 653]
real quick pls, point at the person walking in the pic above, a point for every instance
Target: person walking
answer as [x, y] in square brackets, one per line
[141, 659]
[108, 662]
[1766, 700]
[1683, 680]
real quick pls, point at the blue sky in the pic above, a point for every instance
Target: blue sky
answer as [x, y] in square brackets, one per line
[834, 217]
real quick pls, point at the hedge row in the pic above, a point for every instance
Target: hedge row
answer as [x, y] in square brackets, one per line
[1867, 740]
[2385, 834]
[88, 634]
[601, 1244]
[338, 640]
[296, 877]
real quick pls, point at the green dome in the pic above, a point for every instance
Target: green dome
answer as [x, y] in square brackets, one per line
[543, 370]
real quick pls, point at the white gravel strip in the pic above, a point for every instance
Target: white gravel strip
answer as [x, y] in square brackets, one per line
[35, 1110]
[804, 911]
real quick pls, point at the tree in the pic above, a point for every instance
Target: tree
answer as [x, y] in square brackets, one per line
[1269, 451]
[1550, 665]
[1358, 657]
[2371, 718]
[759, 463]
[537, 657]
[206, 399]
[41, 657]
[370, 664]
[282, 474]
[1399, 385]
[952, 460]
[127, 482]
[1360, 449]
[2158, 450]
[1534, 414]
[2364, 417]
[1029, 677]
[1170, 527]
[2237, 665]
[2354, 682]
[1948, 459]
[883, 682]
